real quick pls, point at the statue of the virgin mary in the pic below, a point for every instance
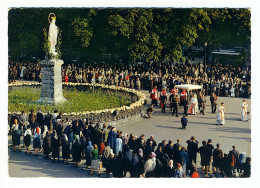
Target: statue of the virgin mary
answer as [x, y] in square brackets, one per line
[53, 33]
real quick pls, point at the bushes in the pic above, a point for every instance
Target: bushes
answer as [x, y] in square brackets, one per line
[24, 99]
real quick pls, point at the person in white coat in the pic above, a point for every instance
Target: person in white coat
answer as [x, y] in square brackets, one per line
[221, 115]
[244, 111]
[193, 105]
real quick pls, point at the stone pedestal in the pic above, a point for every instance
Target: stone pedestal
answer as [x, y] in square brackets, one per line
[51, 90]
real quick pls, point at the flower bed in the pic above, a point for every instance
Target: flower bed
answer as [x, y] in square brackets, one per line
[105, 114]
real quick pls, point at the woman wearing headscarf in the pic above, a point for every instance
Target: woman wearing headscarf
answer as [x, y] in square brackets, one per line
[47, 145]
[170, 171]
[179, 172]
[65, 149]
[101, 148]
[241, 159]
[105, 158]
[36, 142]
[118, 166]
[45, 129]
[118, 144]
[55, 144]
[125, 139]
[135, 165]
[83, 142]
[16, 135]
[95, 161]
[27, 139]
[76, 151]
[89, 149]
[112, 138]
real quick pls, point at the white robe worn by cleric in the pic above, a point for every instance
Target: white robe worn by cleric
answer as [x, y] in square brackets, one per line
[244, 111]
[221, 115]
[193, 105]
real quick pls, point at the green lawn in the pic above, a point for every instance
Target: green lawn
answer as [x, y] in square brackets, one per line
[23, 99]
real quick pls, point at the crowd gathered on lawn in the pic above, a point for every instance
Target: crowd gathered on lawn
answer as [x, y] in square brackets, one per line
[223, 80]
[101, 146]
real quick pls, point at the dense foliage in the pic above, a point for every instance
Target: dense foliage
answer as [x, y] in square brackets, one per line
[23, 99]
[128, 34]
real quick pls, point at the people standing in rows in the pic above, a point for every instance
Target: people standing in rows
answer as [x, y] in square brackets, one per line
[221, 114]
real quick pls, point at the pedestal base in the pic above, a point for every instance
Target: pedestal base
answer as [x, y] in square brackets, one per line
[51, 90]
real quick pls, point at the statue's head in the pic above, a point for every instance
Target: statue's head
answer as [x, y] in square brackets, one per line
[51, 17]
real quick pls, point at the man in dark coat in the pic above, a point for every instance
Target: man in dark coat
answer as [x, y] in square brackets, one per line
[175, 105]
[184, 122]
[213, 101]
[205, 156]
[48, 120]
[112, 138]
[192, 150]
[185, 106]
[47, 145]
[39, 119]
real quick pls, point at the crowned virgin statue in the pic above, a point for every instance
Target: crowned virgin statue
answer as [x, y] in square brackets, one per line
[53, 33]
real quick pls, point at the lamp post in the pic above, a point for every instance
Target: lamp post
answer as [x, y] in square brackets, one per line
[205, 49]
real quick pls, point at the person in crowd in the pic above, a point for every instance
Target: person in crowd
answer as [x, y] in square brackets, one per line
[55, 145]
[150, 111]
[47, 145]
[217, 157]
[185, 104]
[154, 96]
[112, 138]
[205, 156]
[184, 122]
[213, 101]
[118, 144]
[16, 135]
[106, 158]
[27, 139]
[94, 161]
[76, 151]
[37, 142]
[175, 105]
[32, 118]
[192, 150]
[65, 149]
[89, 150]
[48, 120]
[203, 104]
[244, 111]
[163, 99]
[221, 115]
[246, 167]
[179, 171]
[193, 105]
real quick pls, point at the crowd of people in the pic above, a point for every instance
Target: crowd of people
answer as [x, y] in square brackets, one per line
[100, 145]
[223, 80]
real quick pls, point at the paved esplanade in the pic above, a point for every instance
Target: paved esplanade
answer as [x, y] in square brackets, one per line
[163, 126]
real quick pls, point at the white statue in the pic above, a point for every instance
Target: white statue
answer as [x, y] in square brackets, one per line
[53, 34]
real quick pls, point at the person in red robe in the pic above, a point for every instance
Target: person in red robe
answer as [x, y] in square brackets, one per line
[154, 96]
